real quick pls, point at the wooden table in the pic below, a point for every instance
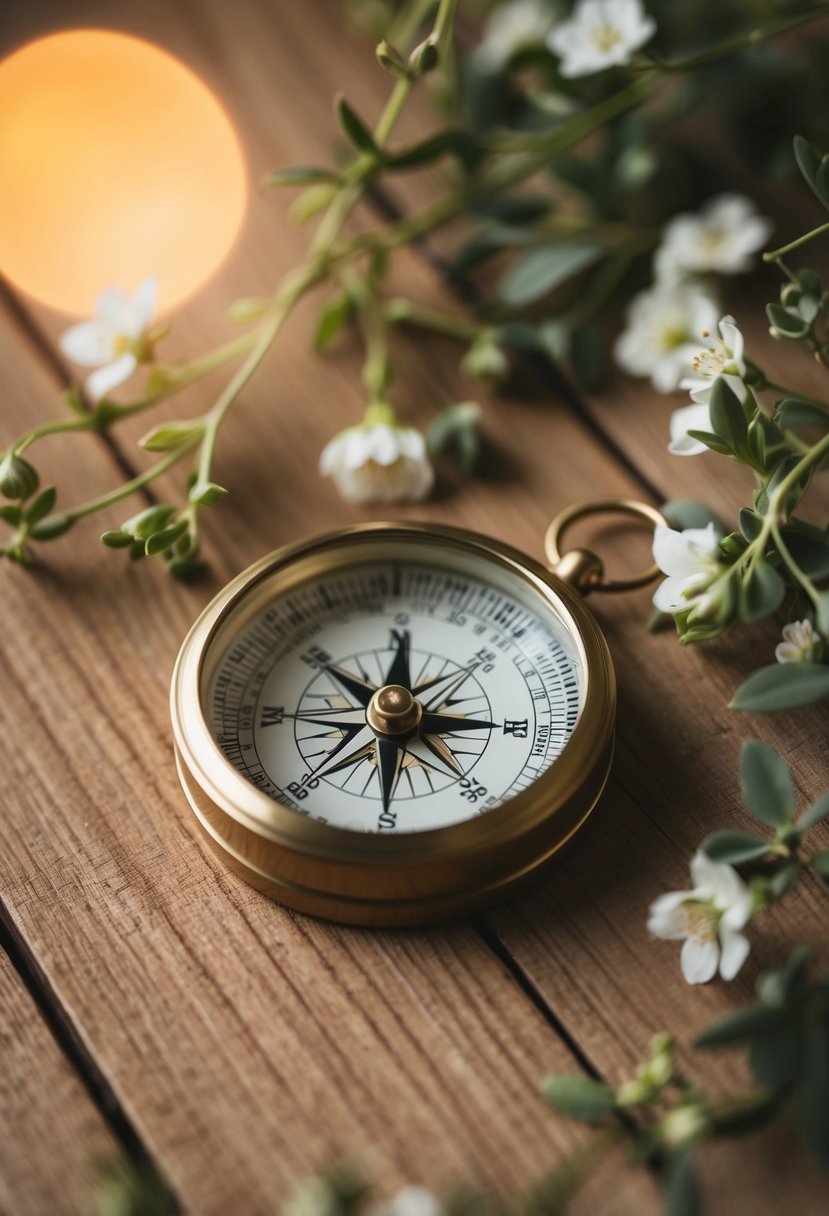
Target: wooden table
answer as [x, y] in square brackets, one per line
[156, 1006]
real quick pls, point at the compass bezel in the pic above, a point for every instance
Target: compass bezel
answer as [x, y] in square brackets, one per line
[404, 876]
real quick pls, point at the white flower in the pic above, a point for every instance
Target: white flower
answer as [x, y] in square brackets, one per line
[378, 462]
[800, 643]
[412, 1201]
[724, 358]
[691, 561]
[116, 341]
[722, 237]
[511, 28]
[689, 418]
[600, 34]
[707, 919]
[664, 328]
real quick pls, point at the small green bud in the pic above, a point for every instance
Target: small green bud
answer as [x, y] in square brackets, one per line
[485, 359]
[18, 480]
[311, 201]
[205, 493]
[685, 1126]
[146, 522]
[171, 435]
[248, 309]
[165, 539]
[424, 58]
[634, 1093]
[116, 539]
[391, 59]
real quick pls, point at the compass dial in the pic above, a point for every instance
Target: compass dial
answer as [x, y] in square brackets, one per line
[397, 697]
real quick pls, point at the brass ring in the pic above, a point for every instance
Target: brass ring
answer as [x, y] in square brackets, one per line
[601, 506]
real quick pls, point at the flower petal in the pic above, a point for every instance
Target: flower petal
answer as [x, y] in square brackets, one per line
[673, 552]
[88, 343]
[145, 300]
[666, 918]
[735, 948]
[105, 379]
[698, 960]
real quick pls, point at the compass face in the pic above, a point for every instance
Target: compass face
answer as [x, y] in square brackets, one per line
[397, 696]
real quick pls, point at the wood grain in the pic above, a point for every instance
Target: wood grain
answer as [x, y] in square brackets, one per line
[43, 1107]
[245, 1043]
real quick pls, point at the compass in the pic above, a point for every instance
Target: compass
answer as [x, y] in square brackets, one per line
[393, 724]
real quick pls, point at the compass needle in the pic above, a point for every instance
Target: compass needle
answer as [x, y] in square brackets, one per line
[389, 763]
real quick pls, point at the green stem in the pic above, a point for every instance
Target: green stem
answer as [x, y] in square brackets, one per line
[137, 483]
[804, 580]
[401, 311]
[739, 42]
[774, 255]
[372, 323]
[791, 393]
[58, 427]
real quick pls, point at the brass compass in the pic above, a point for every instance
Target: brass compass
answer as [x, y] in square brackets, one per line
[392, 724]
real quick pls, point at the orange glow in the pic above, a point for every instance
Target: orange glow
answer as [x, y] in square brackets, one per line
[116, 163]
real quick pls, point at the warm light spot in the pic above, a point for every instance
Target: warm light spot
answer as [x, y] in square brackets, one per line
[116, 162]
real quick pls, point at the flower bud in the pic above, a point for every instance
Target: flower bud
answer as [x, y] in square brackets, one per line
[423, 58]
[685, 1126]
[17, 477]
[485, 359]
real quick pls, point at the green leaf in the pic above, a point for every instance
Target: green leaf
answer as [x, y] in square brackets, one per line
[445, 143]
[746, 1116]
[354, 129]
[785, 322]
[681, 1189]
[205, 493]
[74, 401]
[728, 420]
[762, 592]
[741, 1027]
[767, 784]
[810, 553]
[457, 426]
[150, 520]
[10, 513]
[53, 527]
[684, 513]
[811, 163]
[734, 847]
[785, 878]
[332, 317]
[581, 1098]
[713, 442]
[171, 435]
[41, 506]
[814, 814]
[545, 267]
[813, 1096]
[791, 414]
[587, 351]
[776, 1059]
[783, 686]
[165, 539]
[300, 175]
[750, 523]
[116, 539]
[776, 987]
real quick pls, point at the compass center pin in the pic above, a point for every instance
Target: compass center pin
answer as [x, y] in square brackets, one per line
[393, 711]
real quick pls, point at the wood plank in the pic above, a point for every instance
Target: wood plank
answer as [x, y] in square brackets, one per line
[50, 1130]
[548, 461]
[245, 1044]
